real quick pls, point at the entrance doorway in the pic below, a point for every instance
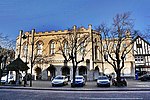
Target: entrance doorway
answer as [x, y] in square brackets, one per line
[96, 73]
[38, 73]
[66, 72]
[51, 72]
[83, 71]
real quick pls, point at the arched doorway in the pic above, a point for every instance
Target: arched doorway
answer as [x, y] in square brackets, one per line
[38, 73]
[96, 73]
[51, 72]
[83, 71]
[66, 72]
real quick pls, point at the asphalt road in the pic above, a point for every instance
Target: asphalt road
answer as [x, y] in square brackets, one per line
[17, 94]
[131, 84]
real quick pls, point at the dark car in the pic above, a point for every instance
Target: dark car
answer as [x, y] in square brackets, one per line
[144, 77]
[123, 81]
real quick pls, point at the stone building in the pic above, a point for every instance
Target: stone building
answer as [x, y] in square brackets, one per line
[48, 60]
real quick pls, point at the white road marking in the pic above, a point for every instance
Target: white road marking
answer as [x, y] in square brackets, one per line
[88, 98]
[140, 85]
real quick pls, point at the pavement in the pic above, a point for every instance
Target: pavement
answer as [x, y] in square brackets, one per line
[133, 85]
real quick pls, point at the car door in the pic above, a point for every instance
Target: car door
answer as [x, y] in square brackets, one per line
[66, 80]
[148, 77]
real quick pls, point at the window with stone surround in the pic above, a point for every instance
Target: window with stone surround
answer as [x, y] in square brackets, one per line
[52, 47]
[39, 48]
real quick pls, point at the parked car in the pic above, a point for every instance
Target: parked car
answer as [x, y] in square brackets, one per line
[79, 81]
[144, 77]
[103, 81]
[123, 81]
[60, 80]
[10, 79]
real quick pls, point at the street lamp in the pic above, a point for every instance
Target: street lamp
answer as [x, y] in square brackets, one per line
[21, 31]
[32, 49]
[22, 37]
[102, 52]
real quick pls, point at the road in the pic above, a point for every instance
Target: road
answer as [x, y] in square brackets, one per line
[18, 94]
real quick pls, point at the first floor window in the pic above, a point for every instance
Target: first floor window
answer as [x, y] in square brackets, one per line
[52, 47]
[39, 48]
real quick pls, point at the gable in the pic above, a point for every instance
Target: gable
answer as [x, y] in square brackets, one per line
[141, 46]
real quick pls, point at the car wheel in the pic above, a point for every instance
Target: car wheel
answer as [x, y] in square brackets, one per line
[66, 83]
[10, 82]
[82, 84]
[53, 85]
[125, 84]
[72, 85]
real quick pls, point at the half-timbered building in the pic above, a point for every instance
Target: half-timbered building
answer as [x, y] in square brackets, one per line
[141, 52]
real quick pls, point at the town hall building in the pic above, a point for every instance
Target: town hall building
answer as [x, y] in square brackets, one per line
[44, 48]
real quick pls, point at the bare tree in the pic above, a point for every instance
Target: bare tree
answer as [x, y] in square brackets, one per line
[117, 42]
[6, 53]
[73, 48]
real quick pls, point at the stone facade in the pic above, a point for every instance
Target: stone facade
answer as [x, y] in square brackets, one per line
[49, 62]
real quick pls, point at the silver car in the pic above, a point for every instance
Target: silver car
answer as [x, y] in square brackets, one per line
[103, 81]
[60, 80]
[79, 81]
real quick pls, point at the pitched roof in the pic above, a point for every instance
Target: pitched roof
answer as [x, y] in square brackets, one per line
[17, 65]
[141, 38]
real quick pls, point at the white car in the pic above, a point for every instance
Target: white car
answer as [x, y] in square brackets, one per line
[79, 81]
[103, 81]
[9, 80]
[60, 80]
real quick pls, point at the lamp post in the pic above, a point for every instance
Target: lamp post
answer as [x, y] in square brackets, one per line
[17, 72]
[102, 53]
[21, 37]
[27, 42]
[32, 44]
[21, 31]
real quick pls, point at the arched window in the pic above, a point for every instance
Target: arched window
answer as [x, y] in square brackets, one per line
[39, 48]
[25, 49]
[96, 52]
[52, 47]
[105, 46]
[66, 47]
[82, 47]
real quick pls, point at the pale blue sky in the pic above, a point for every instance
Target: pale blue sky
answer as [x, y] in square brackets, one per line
[47, 15]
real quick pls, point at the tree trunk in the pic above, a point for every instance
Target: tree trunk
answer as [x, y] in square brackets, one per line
[74, 74]
[0, 75]
[118, 77]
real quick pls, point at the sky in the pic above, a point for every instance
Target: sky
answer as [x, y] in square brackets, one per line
[47, 15]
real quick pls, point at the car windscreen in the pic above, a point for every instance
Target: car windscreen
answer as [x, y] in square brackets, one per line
[102, 78]
[59, 78]
[79, 78]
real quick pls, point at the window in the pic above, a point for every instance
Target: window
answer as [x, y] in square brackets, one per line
[139, 58]
[105, 56]
[66, 47]
[52, 47]
[105, 46]
[124, 45]
[82, 47]
[25, 50]
[39, 48]
[96, 52]
[114, 46]
[139, 45]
